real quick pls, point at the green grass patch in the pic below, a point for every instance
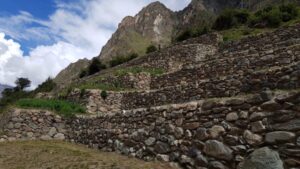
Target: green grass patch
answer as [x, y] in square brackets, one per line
[136, 70]
[64, 108]
[102, 86]
[116, 85]
[234, 34]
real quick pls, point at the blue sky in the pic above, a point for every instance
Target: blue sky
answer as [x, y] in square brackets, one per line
[39, 8]
[39, 38]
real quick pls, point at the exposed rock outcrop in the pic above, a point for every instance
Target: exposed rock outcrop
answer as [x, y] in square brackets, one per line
[154, 24]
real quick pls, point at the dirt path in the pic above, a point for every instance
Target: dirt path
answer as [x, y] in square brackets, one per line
[60, 155]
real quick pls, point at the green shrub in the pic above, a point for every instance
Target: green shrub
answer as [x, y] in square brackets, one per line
[151, 49]
[230, 18]
[196, 32]
[46, 86]
[10, 96]
[273, 16]
[225, 21]
[104, 94]
[289, 12]
[83, 73]
[184, 36]
[13, 94]
[200, 31]
[268, 17]
[121, 59]
[63, 108]
[95, 66]
[242, 16]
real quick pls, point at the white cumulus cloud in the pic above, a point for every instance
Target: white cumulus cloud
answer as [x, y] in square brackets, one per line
[75, 30]
[42, 62]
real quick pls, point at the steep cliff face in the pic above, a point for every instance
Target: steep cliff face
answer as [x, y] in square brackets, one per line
[153, 25]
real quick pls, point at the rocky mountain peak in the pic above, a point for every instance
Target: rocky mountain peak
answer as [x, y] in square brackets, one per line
[154, 6]
[127, 22]
[154, 24]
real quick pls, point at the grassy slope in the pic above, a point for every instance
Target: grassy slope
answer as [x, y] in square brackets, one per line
[59, 155]
[243, 31]
[94, 83]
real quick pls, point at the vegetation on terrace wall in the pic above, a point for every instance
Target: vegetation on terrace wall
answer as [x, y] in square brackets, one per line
[95, 67]
[116, 84]
[151, 49]
[12, 95]
[230, 18]
[122, 59]
[191, 33]
[64, 108]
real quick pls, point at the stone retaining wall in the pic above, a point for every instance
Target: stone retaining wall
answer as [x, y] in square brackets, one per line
[176, 56]
[228, 86]
[215, 133]
[279, 48]
[205, 133]
[285, 77]
[20, 124]
[95, 103]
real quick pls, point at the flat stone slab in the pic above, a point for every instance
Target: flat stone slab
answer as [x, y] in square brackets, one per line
[263, 158]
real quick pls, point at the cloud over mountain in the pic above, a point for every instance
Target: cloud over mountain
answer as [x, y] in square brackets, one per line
[75, 30]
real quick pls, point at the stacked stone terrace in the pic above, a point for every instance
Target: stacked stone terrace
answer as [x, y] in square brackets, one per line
[223, 106]
[207, 68]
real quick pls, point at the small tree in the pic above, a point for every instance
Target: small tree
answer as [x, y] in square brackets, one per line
[95, 66]
[7, 92]
[184, 36]
[226, 20]
[151, 49]
[230, 18]
[22, 83]
[83, 73]
[289, 12]
[46, 86]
